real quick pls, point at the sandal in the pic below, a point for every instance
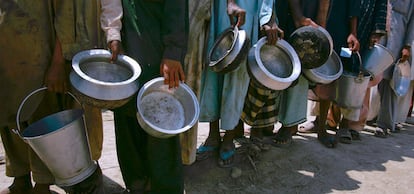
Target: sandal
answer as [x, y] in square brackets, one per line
[226, 159]
[308, 127]
[379, 132]
[283, 138]
[205, 152]
[355, 134]
[328, 140]
[344, 136]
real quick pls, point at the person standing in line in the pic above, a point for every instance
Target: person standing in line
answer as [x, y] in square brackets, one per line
[220, 104]
[155, 34]
[199, 22]
[371, 27]
[55, 39]
[261, 104]
[342, 26]
[293, 108]
[399, 41]
[31, 58]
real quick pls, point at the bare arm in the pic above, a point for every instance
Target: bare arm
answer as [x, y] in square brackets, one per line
[234, 11]
[352, 40]
[323, 12]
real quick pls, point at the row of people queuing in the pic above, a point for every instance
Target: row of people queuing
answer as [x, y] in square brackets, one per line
[42, 38]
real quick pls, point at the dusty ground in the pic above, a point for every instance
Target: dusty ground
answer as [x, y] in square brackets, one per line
[372, 165]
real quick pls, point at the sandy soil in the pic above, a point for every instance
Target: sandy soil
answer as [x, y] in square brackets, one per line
[372, 165]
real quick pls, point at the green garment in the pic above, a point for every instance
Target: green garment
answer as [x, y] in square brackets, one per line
[222, 96]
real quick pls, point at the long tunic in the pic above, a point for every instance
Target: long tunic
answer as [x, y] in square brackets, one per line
[222, 96]
[393, 108]
[27, 42]
[153, 30]
[199, 20]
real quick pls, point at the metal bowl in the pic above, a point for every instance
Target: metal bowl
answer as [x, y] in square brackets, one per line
[327, 73]
[377, 59]
[313, 45]
[273, 66]
[102, 84]
[164, 112]
[228, 50]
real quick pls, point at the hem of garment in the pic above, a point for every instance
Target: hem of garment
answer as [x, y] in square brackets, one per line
[295, 123]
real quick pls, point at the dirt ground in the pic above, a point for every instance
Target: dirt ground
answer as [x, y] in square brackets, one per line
[373, 165]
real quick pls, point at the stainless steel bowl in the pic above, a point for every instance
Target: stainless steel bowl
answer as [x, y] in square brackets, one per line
[230, 48]
[377, 59]
[185, 99]
[273, 66]
[327, 73]
[100, 83]
[313, 45]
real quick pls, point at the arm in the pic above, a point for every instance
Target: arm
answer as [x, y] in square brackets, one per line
[268, 22]
[233, 10]
[409, 35]
[297, 14]
[323, 12]
[352, 40]
[56, 76]
[353, 13]
[111, 24]
[175, 38]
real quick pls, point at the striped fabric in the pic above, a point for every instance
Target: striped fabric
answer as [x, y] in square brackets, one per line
[372, 19]
[261, 106]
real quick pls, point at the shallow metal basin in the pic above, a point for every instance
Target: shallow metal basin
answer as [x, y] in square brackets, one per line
[377, 59]
[327, 73]
[230, 48]
[103, 84]
[154, 124]
[273, 66]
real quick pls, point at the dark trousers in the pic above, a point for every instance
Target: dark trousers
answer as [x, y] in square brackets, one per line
[145, 158]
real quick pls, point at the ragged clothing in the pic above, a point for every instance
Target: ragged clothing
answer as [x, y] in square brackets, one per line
[222, 96]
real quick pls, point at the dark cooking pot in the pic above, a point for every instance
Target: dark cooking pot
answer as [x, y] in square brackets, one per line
[313, 45]
[228, 50]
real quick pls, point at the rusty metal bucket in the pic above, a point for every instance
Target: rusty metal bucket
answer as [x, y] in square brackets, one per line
[60, 140]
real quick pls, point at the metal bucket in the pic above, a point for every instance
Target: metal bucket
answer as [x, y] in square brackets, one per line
[60, 140]
[377, 59]
[351, 89]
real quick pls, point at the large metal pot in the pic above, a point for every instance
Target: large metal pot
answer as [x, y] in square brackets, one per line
[228, 50]
[313, 45]
[102, 84]
[351, 90]
[327, 73]
[377, 59]
[164, 112]
[273, 66]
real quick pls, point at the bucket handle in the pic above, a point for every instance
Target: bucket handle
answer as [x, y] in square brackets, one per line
[17, 131]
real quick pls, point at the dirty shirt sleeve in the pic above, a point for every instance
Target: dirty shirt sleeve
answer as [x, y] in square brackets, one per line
[380, 17]
[64, 22]
[111, 16]
[266, 11]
